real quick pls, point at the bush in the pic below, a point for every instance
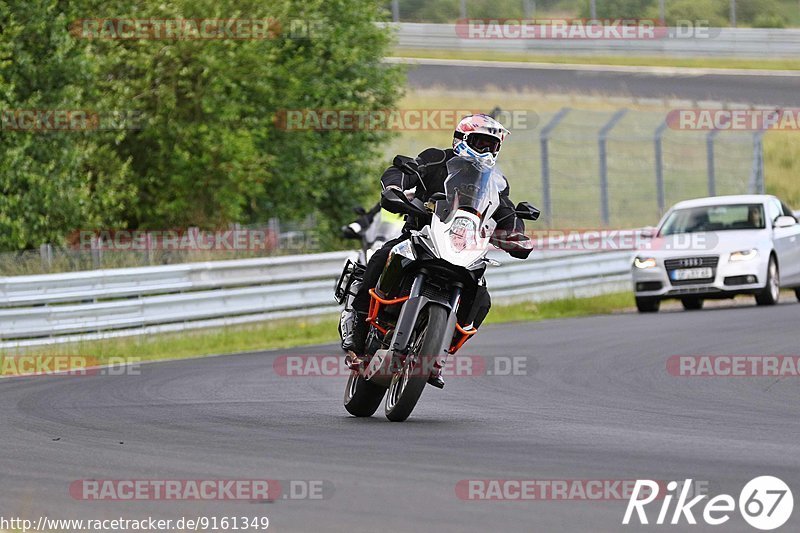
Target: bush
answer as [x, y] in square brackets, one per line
[713, 11]
[618, 8]
[207, 152]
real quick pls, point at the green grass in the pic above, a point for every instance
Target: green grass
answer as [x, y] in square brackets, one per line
[568, 308]
[621, 60]
[287, 334]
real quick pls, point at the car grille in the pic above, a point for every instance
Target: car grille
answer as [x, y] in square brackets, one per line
[693, 290]
[710, 261]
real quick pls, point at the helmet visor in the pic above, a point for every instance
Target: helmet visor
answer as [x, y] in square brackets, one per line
[483, 143]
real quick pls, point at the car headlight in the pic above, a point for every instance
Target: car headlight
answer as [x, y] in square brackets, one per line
[462, 233]
[644, 262]
[744, 255]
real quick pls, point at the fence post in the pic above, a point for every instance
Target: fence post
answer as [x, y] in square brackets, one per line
[712, 172]
[529, 8]
[463, 9]
[46, 253]
[756, 185]
[96, 251]
[544, 138]
[396, 10]
[602, 140]
[660, 194]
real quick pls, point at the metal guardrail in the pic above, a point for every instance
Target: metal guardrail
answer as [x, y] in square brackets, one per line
[55, 308]
[722, 42]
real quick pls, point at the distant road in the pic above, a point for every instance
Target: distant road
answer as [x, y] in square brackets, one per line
[779, 88]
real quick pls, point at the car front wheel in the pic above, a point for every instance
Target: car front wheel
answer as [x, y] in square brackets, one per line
[772, 290]
[648, 305]
[692, 304]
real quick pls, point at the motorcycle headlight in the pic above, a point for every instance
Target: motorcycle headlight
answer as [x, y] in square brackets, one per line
[462, 233]
[744, 255]
[644, 262]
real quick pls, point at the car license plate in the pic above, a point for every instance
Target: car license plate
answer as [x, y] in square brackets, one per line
[691, 273]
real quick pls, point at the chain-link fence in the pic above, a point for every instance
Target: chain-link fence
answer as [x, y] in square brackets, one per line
[584, 169]
[621, 169]
[138, 248]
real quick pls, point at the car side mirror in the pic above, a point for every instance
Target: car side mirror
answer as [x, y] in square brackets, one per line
[648, 232]
[526, 211]
[784, 221]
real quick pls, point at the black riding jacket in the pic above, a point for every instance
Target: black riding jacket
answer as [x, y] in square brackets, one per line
[429, 171]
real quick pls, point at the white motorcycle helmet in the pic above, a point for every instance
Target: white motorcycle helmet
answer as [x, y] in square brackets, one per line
[479, 138]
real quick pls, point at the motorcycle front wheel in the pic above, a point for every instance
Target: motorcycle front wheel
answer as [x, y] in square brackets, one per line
[409, 382]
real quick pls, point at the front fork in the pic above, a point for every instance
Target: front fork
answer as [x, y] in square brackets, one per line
[379, 368]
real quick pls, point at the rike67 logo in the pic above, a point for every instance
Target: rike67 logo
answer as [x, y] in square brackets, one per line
[766, 503]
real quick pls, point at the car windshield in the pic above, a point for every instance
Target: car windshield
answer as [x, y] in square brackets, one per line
[714, 218]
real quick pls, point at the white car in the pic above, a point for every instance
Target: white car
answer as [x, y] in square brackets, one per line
[719, 247]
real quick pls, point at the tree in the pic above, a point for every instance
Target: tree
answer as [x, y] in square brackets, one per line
[51, 181]
[205, 151]
[612, 9]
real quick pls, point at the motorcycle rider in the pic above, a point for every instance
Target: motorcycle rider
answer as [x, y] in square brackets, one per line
[477, 138]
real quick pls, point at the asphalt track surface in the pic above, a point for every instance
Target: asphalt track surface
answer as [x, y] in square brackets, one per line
[741, 89]
[596, 403]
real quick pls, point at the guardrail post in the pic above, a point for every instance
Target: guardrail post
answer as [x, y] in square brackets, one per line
[544, 139]
[463, 9]
[602, 142]
[712, 172]
[396, 10]
[660, 195]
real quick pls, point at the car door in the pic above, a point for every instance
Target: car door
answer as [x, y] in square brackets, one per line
[784, 241]
[793, 249]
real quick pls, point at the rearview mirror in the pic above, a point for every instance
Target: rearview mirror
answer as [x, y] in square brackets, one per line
[784, 221]
[526, 211]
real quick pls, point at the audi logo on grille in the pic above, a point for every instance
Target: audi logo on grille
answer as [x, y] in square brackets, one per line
[692, 262]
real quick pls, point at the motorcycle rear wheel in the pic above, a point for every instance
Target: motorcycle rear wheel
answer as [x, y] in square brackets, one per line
[362, 398]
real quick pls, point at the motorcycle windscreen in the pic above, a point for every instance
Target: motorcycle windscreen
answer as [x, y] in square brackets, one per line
[471, 187]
